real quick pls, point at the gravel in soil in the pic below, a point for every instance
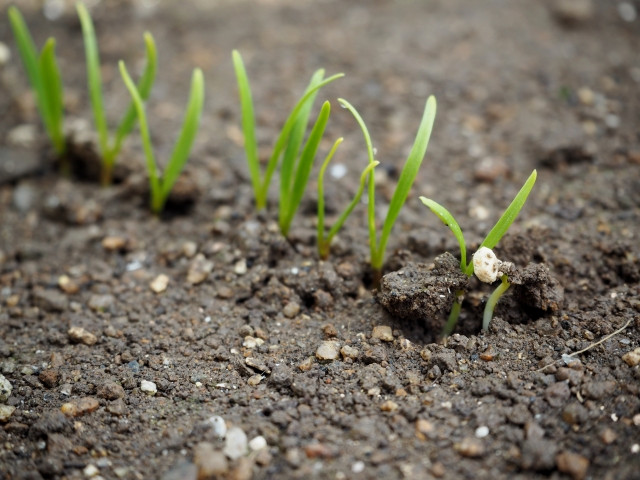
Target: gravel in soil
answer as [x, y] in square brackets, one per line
[204, 345]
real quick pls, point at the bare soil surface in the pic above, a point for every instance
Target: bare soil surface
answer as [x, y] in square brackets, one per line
[205, 345]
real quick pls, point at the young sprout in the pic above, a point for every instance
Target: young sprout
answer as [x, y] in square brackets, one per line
[484, 258]
[378, 245]
[161, 184]
[325, 239]
[44, 77]
[296, 165]
[110, 147]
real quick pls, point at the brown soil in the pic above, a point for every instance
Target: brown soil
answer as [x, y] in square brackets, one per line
[239, 330]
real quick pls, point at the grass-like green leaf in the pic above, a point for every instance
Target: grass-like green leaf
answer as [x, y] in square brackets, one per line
[44, 76]
[291, 198]
[161, 185]
[324, 241]
[110, 148]
[286, 140]
[407, 177]
[52, 89]
[445, 216]
[510, 214]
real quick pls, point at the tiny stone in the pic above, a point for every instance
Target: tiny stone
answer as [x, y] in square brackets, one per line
[291, 309]
[219, 425]
[240, 268]
[382, 332]
[5, 389]
[49, 377]
[608, 436]
[424, 427]
[110, 391]
[632, 358]
[211, 463]
[160, 283]
[67, 285]
[329, 330]
[328, 351]
[482, 431]
[199, 270]
[257, 364]
[148, 387]
[90, 471]
[389, 406]
[470, 447]
[251, 342]
[306, 364]
[114, 244]
[236, 443]
[6, 411]
[189, 249]
[254, 380]
[101, 303]
[349, 352]
[257, 443]
[80, 335]
[425, 355]
[5, 54]
[573, 464]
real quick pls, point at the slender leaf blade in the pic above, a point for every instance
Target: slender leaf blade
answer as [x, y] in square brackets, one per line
[249, 129]
[323, 245]
[145, 84]
[510, 214]
[188, 133]
[94, 76]
[445, 216]
[52, 95]
[304, 169]
[407, 177]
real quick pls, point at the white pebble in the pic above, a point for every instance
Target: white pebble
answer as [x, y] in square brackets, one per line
[5, 389]
[486, 265]
[236, 443]
[357, 467]
[257, 443]
[148, 387]
[337, 170]
[219, 425]
[160, 283]
[90, 471]
[627, 11]
[482, 431]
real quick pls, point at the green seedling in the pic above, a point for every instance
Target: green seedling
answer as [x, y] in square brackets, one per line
[325, 239]
[161, 184]
[409, 172]
[490, 241]
[296, 163]
[110, 146]
[44, 77]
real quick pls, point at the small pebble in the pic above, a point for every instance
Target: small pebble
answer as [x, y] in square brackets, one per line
[389, 406]
[328, 351]
[148, 387]
[5, 54]
[357, 467]
[79, 407]
[114, 243]
[5, 389]
[254, 380]
[482, 431]
[67, 285]
[424, 427]
[608, 436]
[240, 268]
[257, 443]
[80, 335]
[306, 364]
[470, 447]
[632, 358]
[236, 443]
[6, 411]
[291, 309]
[251, 342]
[349, 352]
[572, 464]
[211, 463]
[382, 332]
[199, 270]
[219, 425]
[160, 283]
[90, 471]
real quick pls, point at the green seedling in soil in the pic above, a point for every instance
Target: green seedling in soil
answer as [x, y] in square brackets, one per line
[44, 77]
[325, 239]
[490, 241]
[110, 146]
[287, 146]
[161, 184]
[409, 172]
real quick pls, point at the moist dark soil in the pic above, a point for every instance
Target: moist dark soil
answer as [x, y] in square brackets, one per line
[268, 363]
